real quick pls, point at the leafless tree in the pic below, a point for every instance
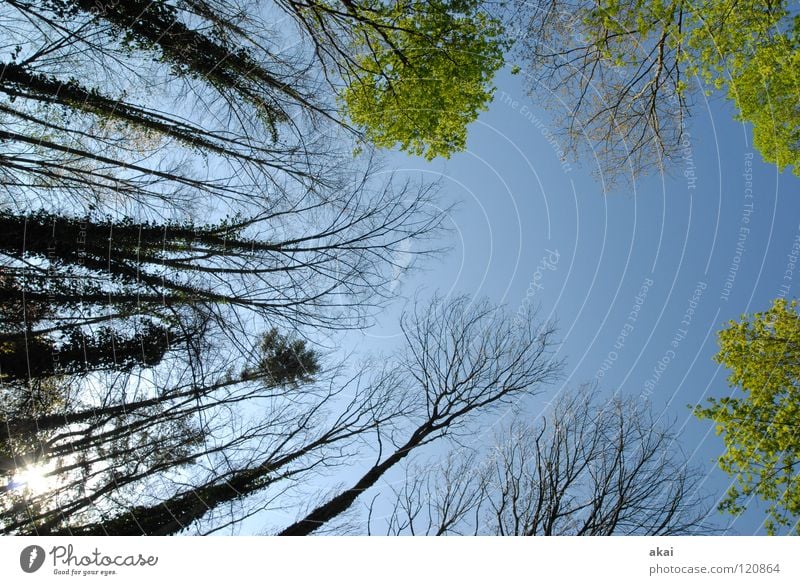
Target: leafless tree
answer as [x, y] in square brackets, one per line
[437, 498]
[587, 468]
[159, 463]
[181, 449]
[463, 358]
[126, 103]
[188, 111]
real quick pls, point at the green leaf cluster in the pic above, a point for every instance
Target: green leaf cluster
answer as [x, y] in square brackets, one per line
[750, 49]
[760, 423]
[426, 73]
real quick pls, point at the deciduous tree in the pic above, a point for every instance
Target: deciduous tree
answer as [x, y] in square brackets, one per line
[758, 421]
[586, 467]
[623, 74]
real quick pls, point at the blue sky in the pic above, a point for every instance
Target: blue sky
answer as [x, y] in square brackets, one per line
[639, 277]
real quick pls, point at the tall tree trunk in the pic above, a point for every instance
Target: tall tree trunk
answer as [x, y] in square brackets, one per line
[340, 503]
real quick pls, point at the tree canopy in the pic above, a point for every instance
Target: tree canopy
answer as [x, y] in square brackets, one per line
[626, 72]
[759, 420]
[183, 219]
[181, 214]
[424, 73]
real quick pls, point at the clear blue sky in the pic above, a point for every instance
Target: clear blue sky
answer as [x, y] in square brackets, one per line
[531, 228]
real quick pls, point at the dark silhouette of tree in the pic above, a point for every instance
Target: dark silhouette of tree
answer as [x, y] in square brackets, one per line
[327, 277]
[586, 468]
[40, 357]
[461, 361]
[463, 358]
[89, 130]
[101, 451]
[138, 101]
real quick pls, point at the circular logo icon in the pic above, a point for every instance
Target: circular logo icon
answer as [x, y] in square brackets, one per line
[31, 558]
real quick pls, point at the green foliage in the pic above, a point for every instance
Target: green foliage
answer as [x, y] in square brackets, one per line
[749, 49]
[766, 92]
[760, 423]
[427, 68]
